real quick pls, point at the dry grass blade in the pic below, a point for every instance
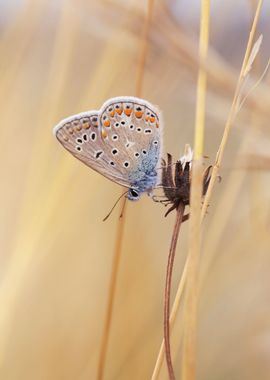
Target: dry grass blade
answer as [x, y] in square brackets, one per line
[253, 55]
[213, 178]
[211, 185]
[188, 371]
[191, 296]
[144, 47]
[233, 110]
[112, 290]
[254, 86]
[121, 222]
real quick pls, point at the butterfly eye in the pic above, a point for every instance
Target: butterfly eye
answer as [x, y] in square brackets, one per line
[137, 154]
[123, 122]
[114, 151]
[144, 152]
[112, 163]
[79, 141]
[78, 148]
[126, 164]
[155, 142]
[147, 131]
[131, 126]
[139, 129]
[116, 125]
[85, 137]
[134, 193]
[115, 137]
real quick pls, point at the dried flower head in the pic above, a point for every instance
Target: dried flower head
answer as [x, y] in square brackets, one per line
[176, 180]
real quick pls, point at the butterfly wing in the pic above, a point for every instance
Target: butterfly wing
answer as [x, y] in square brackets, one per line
[121, 141]
[81, 135]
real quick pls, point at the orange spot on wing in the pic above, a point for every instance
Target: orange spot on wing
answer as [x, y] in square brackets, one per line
[112, 113]
[70, 130]
[104, 134]
[152, 119]
[119, 110]
[138, 114]
[79, 127]
[157, 125]
[106, 123]
[128, 111]
[147, 118]
[86, 125]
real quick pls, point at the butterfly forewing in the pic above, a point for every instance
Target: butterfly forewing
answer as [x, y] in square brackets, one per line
[121, 141]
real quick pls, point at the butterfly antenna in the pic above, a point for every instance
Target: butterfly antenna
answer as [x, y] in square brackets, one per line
[121, 196]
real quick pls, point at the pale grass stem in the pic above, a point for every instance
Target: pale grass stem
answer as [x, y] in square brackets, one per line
[233, 110]
[121, 221]
[214, 176]
[191, 297]
[112, 290]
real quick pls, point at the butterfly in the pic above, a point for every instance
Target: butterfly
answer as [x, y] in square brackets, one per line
[122, 141]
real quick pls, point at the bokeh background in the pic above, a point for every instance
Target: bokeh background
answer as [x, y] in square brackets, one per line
[62, 57]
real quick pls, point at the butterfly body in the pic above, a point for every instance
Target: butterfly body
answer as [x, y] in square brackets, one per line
[122, 141]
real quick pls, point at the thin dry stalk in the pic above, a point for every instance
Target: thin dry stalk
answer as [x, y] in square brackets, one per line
[172, 319]
[144, 47]
[120, 227]
[233, 110]
[19, 263]
[112, 288]
[176, 230]
[191, 297]
[182, 282]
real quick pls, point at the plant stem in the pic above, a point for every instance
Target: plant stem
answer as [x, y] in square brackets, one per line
[111, 295]
[176, 229]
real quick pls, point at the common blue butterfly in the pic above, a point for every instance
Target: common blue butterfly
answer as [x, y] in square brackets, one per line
[121, 141]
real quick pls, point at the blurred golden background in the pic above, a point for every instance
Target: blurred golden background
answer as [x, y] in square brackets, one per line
[63, 57]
